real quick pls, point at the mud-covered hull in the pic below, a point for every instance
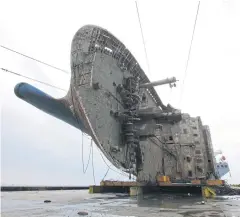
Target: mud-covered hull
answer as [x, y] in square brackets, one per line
[99, 63]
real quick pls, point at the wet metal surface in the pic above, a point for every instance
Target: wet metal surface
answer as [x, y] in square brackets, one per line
[69, 203]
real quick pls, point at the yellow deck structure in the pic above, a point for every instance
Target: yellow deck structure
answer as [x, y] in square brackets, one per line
[135, 188]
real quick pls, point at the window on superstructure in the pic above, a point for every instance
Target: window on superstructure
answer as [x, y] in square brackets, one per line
[195, 134]
[159, 126]
[199, 169]
[144, 97]
[190, 173]
[198, 152]
[194, 127]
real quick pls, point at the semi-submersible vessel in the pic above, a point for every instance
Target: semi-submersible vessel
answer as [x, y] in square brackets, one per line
[112, 100]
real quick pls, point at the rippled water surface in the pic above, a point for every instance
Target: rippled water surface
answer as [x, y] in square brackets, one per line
[69, 203]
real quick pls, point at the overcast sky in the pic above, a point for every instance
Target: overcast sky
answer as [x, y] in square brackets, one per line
[39, 149]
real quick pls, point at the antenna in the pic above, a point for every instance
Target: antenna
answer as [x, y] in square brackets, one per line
[171, 81]
[189, 53]
[144, 45]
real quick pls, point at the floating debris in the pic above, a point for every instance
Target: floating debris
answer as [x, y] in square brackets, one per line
[227, 190]
[82, 213]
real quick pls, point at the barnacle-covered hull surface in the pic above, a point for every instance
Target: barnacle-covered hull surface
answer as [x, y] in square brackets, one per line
[111, 100]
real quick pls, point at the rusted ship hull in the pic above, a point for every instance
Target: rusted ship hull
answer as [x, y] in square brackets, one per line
[112, 100]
